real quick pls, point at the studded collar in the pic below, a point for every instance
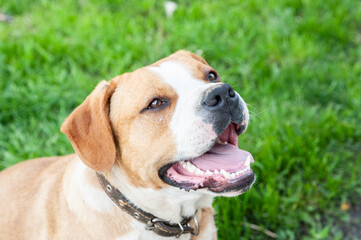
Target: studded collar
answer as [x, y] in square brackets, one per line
[152, 223]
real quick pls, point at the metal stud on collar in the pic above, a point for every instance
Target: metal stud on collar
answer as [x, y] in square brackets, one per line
[157, 225]
[121, 203]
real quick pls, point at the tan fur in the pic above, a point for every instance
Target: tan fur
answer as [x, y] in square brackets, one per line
[196, 64]
[33, 205]
[206, 220]
[42, 198]
[89, 131]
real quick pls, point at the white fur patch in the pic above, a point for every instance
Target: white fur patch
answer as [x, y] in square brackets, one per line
[178, 203]
[245, 111]
[167, 203]
[83, 194]
[193, 136]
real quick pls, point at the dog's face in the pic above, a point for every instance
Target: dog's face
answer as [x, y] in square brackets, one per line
[172, 123]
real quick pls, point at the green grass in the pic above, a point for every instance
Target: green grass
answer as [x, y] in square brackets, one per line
[296, 63]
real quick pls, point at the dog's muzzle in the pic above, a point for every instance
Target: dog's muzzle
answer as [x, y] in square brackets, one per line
[222, 167]
[220, 105]
[221, 98]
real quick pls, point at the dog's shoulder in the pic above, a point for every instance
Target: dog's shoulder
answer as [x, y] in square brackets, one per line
[20, 184]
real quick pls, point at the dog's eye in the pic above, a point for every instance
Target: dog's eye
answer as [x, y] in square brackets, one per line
[156, 103]
[212, 76]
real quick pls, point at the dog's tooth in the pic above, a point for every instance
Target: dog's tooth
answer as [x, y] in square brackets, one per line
[183, 164]
[225, 173]
[243, 171]
[220, 142]
[208, 173]
[199, 172]
[216, 171]
[248, 161]
[233, 175]
[186, 166]
[191, 168]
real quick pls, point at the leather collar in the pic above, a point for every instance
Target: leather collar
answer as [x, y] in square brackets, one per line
[153, 223]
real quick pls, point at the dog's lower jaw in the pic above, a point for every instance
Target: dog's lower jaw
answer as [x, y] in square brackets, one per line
[168, 203]
[86, 198]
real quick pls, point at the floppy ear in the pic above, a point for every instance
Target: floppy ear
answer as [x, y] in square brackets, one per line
[89, 131]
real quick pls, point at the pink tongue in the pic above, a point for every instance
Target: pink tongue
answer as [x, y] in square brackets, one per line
[227, 157]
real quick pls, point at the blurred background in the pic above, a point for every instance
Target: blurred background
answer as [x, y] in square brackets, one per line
[297, 63]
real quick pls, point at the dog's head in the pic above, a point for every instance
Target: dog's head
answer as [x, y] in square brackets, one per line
[171, 123]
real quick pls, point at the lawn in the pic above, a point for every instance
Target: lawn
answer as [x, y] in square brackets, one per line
[297, 63]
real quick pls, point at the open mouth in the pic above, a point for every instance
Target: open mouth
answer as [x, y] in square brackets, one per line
[223, 168]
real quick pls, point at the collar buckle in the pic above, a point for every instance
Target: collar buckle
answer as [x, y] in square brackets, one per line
[181, 228]
[151, 223]
[196, 232]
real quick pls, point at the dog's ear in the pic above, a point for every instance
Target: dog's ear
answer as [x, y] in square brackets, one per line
[89, 130]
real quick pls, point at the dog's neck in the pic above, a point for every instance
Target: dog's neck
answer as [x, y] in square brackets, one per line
[169, 203]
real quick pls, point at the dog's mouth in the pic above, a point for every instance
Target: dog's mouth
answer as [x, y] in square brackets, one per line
[223, 168]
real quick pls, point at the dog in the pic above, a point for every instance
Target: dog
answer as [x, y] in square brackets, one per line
[152, 149]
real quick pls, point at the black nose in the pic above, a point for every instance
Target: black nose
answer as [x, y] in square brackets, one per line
[219, 97]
